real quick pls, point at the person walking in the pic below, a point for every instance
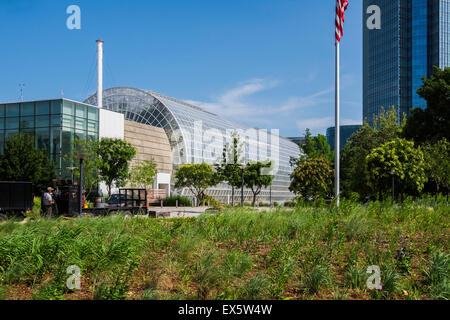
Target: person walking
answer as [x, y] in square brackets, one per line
[48, 202]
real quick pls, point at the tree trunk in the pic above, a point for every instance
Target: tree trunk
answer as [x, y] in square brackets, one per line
[232, 196]
[254, 199]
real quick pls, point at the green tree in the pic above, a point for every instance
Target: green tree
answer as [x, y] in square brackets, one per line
[437, 164]
[90, 163]
[143, 174]
[313, 179]
[313, 148]
[114, 156]
[255, 177]
[398, 158]
[432, 123]
[385, 128]
[21, 161]
[228, 169]
[197, 178]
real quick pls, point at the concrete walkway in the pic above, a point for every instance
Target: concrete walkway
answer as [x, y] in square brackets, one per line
[181, 212]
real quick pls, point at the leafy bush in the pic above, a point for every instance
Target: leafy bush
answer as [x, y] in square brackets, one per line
[182, 201]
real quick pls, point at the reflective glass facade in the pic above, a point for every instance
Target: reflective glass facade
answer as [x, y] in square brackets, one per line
[414, 37]
[199, 136]
[346, 133]
[53, 123]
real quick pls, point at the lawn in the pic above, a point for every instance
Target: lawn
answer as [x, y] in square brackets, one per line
[307, 253]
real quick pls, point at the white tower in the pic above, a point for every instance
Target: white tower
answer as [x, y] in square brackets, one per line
[100, 74]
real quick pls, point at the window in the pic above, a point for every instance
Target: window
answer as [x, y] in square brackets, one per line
[10, 133]
[92, 126]
[68, 121]
[2, 110]
[2, 124]
[56, 141]
[55, 121]
[2, 143]
[80, 124]
[26, 122]
[12, 110]
[68, 108]
[67, 139]
[42, 121]
[81, 111]
[92, 113]
[12, 123]
[43, 139]
[80, 135]
[43, 107]
[27, 109]
[56, 107]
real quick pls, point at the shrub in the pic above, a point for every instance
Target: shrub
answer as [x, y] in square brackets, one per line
[437, 276]
[356, 277]
[257, 288]
[315, 279]
[182, 201]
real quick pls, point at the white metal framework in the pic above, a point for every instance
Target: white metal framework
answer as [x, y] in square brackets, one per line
[198, 136]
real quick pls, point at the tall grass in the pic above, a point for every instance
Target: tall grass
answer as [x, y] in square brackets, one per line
[234, 254]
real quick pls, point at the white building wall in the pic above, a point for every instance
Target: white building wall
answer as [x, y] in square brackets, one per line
[111, 124]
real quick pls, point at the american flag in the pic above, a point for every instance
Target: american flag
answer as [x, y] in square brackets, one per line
[341, 6]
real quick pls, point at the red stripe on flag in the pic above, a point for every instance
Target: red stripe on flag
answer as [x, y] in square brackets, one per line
[341, 6]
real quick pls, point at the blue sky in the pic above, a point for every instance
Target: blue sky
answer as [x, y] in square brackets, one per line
[266, 63]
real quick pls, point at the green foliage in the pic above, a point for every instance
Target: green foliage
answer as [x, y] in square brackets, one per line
[356, 277]
[312, 179]
[437, 276]
[21, 161]
[433, 123]
[385, 128]
[196, 177]
[257, 288]
[315, 278]
[437, 163]
[234, 254]
[143, 174]
[256, 177]
[399, 158]
[90, 163]
[314, 148]
[182, 201]
[114, 156]
[228, 169]
[35, 212]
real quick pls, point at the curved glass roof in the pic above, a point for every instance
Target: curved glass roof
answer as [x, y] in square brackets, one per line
[198, 136]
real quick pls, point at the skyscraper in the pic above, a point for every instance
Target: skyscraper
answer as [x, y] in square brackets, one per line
[412, 38]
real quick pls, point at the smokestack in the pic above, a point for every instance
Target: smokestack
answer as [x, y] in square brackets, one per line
[100, 74]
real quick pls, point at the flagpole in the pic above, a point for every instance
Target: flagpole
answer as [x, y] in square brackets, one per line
[337, 127]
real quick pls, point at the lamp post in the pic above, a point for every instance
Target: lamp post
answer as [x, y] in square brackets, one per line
[71, 169]
[270, 195]
[242, 185]
[82, 157]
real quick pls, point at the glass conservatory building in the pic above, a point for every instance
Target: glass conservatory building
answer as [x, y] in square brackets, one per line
[199, 136]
